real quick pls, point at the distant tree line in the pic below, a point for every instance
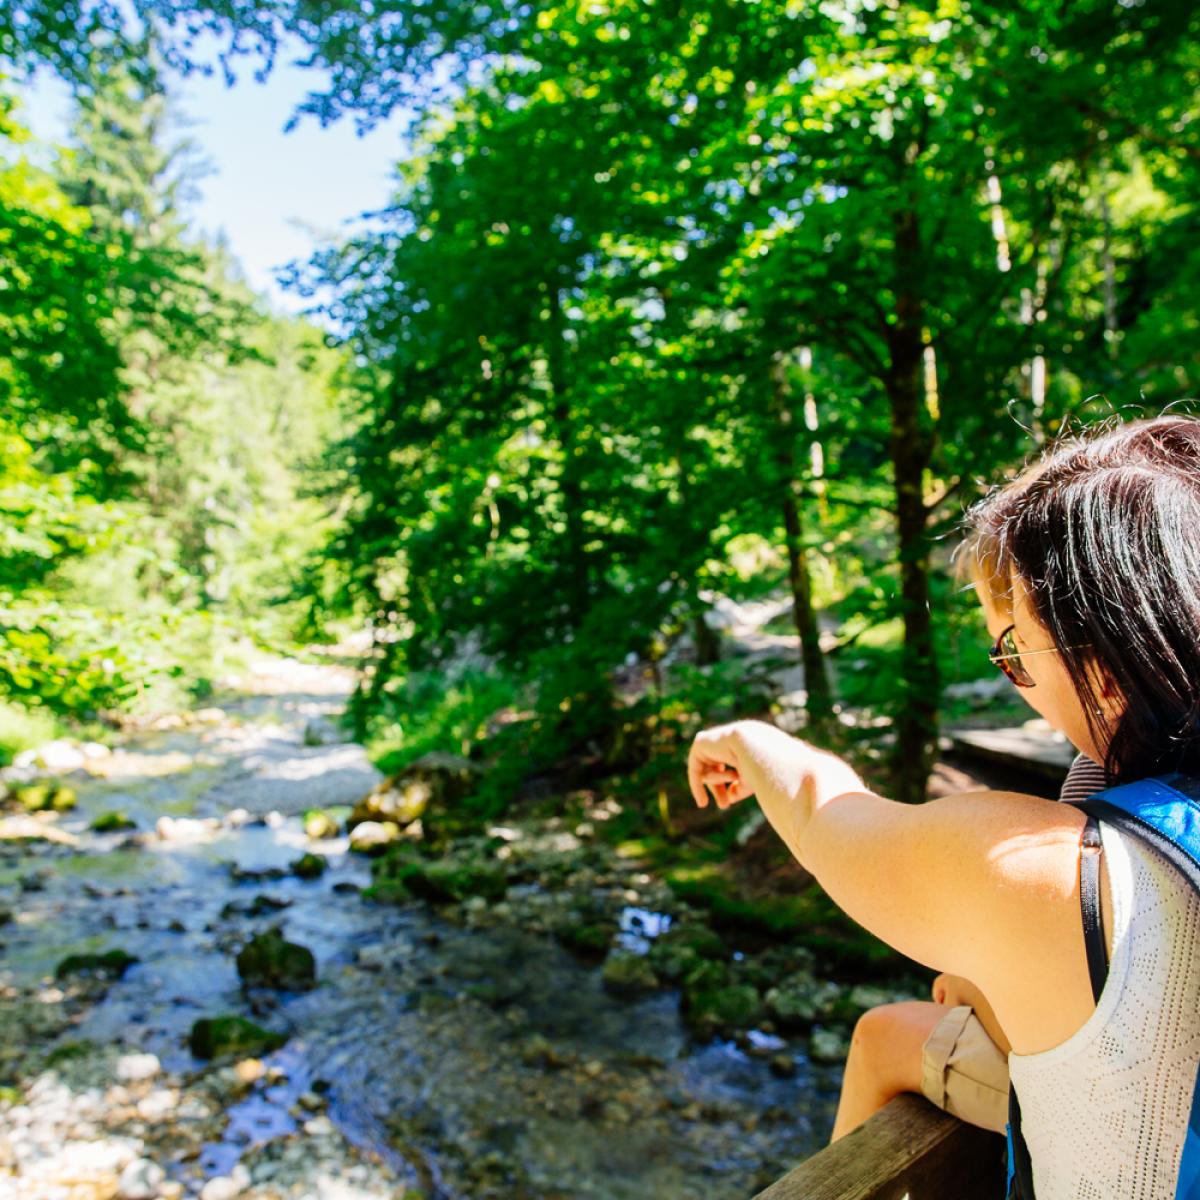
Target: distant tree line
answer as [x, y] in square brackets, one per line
[160, 431]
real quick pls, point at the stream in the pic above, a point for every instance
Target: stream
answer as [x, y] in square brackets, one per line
[432, 1060]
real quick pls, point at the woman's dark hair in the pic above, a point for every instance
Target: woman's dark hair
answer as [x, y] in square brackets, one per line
[1104, 534]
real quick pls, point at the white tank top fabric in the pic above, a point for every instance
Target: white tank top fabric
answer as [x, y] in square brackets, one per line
[1105, 1113]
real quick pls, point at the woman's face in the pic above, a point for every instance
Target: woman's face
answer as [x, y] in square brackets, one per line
[1053, 695]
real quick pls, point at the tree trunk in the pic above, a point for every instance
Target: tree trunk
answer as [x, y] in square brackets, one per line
[911, 451]
[708, 641]
[819, 697]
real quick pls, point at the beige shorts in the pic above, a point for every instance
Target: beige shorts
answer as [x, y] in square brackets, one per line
[964, 1072]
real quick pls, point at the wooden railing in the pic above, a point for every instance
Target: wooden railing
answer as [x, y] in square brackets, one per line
[910, 1149]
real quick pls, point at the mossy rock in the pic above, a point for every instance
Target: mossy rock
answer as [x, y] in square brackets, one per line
[112, 964]
[799, 1001]
[112, 822]
[68, 1051]
[677, 953]
[714, 1000]
[319, 825]
[267, 960]
[260, 906]
[828, 1045]
[310, 866]
[435, 780]
[724, 1009]
[628, 974]
[213, 1037]
[397, 864]
[43, 797]
[457, 879]
[387, 891]
[590, 939]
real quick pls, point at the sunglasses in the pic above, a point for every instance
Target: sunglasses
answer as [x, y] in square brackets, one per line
[1008, 658]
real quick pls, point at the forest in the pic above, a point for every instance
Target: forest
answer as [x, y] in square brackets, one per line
[668, 304]
[653, 398]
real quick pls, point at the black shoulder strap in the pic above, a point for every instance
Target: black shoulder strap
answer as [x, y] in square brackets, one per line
[1021, 1183]
[1089, 903]
[1020, 1168]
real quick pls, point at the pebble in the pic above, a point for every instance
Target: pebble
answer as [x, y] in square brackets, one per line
[140, 1180]
[58, 756]
[158, 1105]
[133, 1068]
[250, 1070]
[186, 829]
[226, 1187]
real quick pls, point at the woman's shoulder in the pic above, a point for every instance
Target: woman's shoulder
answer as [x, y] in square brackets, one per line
[980, 884]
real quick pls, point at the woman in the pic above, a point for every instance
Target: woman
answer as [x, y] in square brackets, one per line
[1088, 571]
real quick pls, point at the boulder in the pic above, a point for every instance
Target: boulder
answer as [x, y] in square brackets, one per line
[714, 1001]
[42, 796]
[373, 837]
[212, 1037]
[589, 939]
[677, 952]
[56, 756]
[800, 1000]
[434, 779]
[319, 825]
[260, 906]
[723, 1009]
[399, 800]
[828, 1045]
[267, 960]
[112, 822]
[186, 829]
[112, 964]
[628, 974]
[310, 866]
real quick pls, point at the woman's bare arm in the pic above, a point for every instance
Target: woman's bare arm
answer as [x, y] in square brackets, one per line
[984, 884]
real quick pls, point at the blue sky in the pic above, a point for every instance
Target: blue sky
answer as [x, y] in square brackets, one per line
[273, 193]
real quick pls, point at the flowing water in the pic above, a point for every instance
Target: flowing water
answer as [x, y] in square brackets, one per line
[469, 1061]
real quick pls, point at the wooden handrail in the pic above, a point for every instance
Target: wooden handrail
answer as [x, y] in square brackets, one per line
[908, 1150]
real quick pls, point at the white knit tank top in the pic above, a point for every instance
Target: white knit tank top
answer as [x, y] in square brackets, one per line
[1105, 1113]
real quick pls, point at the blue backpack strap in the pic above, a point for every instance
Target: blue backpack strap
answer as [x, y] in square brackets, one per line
[1165, 813]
